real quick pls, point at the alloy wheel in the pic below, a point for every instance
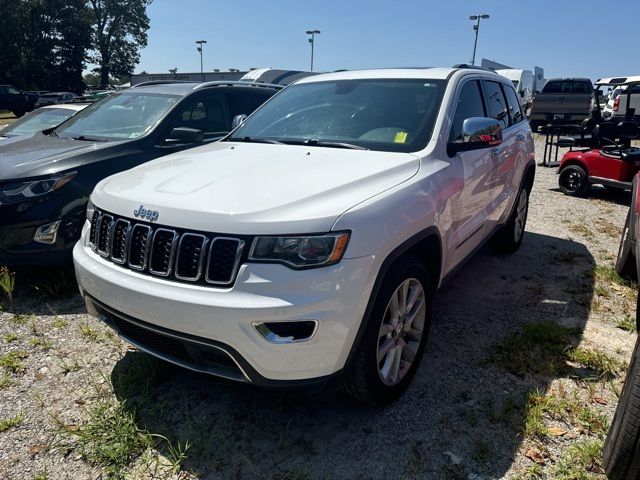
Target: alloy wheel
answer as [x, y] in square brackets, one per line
[401, 331]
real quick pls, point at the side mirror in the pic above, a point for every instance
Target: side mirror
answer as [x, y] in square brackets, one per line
[182, 135]
[477, 132]
[237, 121]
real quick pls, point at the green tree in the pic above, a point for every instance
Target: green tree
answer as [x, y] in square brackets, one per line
[44, 43]
[119, 32]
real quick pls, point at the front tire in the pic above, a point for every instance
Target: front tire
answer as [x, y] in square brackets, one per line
[626, 261]
[509, 237]
[396, 333]
[620, 454]
[573, 180]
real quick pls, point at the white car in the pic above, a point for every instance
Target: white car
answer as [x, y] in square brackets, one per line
[306, 247]
[41, 119]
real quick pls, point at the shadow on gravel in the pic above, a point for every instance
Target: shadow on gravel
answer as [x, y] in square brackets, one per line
[462, 414]
[613, 195]
[44, 291]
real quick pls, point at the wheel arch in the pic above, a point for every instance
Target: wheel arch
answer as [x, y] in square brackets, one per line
[427, 247]
[574, 161]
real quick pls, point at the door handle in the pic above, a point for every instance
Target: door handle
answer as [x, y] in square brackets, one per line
[520, 137]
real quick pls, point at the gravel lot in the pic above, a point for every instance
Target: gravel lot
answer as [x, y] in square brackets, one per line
[489, 401]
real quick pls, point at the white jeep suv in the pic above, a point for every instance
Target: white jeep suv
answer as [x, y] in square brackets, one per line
[306, 247]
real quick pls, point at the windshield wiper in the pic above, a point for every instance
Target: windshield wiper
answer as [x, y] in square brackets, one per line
[254, 140]
[84, 138]
[313, 142]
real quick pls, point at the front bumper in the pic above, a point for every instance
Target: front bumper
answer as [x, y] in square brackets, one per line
[19, 222]
[208, 320]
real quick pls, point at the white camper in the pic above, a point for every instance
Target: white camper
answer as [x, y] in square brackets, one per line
[523, 81]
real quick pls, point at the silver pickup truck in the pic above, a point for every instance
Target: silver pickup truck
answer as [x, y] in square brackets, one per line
[566, 98]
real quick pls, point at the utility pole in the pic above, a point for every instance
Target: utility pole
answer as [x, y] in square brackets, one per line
[312, 41]
[200, 43]
[476, 27]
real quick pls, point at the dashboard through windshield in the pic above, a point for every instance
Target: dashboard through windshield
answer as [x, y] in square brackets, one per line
[375, 114]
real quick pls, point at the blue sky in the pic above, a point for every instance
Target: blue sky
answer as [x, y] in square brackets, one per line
[561, 36]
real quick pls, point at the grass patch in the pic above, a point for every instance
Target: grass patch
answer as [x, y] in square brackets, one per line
[537, 348]
[40, 342]
[139, 374]
[561, 407]
[582, 230]
[10, 422]
[582, 461]
[12, 361]
[88, 332]
[10, 337]
[626, 323]
[606, 366]
[21, 319]
[60, 323]
[112, 440]
[608, 274]
[5, 381]
[7, 284]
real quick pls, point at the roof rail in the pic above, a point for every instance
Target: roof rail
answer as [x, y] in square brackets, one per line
[231, 83]
[474, 67]
[158, 82]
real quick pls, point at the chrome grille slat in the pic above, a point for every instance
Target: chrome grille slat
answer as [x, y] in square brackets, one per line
[103, 235]
[222, 268]
[194, 255]
[174, 254]
[119, 240]
[139, 240]
[163, 247]
[94, 226]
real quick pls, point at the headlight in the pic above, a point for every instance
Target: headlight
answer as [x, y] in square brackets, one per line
[19, 191]
[300, 251]
[90, 209]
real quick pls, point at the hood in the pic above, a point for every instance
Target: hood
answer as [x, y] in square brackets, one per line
[33, 155]
[241, 188]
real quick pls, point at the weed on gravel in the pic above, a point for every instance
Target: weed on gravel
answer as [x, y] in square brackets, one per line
[581, 461]
[7, 284]
[10, 422]
[111, 439]
[12, 361]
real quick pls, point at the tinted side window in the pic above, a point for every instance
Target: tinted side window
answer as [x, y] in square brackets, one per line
[514, 105]
[469, 105]
[206, 113]
[244, 103]
[496, 103]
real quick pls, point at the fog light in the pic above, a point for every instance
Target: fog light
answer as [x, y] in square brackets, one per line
[47, 233]
[287, 332]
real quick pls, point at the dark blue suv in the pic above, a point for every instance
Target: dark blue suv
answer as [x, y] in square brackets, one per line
[46, 179]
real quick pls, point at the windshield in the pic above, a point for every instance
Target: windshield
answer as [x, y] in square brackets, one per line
[379, 114]
[119, 116]
[38, 120]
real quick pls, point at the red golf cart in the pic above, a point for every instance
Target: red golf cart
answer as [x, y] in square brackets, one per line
[602, 153]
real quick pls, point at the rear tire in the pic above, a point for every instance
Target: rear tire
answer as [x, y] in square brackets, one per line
[509, 237]
[626, 261]
[573, 180]
[391, 338]
[621, 456]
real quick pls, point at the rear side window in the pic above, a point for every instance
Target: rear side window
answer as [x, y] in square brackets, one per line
[244, 103]
[497, 103]
[515, 110]
[470, 104]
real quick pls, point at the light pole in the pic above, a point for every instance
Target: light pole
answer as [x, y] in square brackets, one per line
[476, 27]
[312, 41]
[200, 43]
